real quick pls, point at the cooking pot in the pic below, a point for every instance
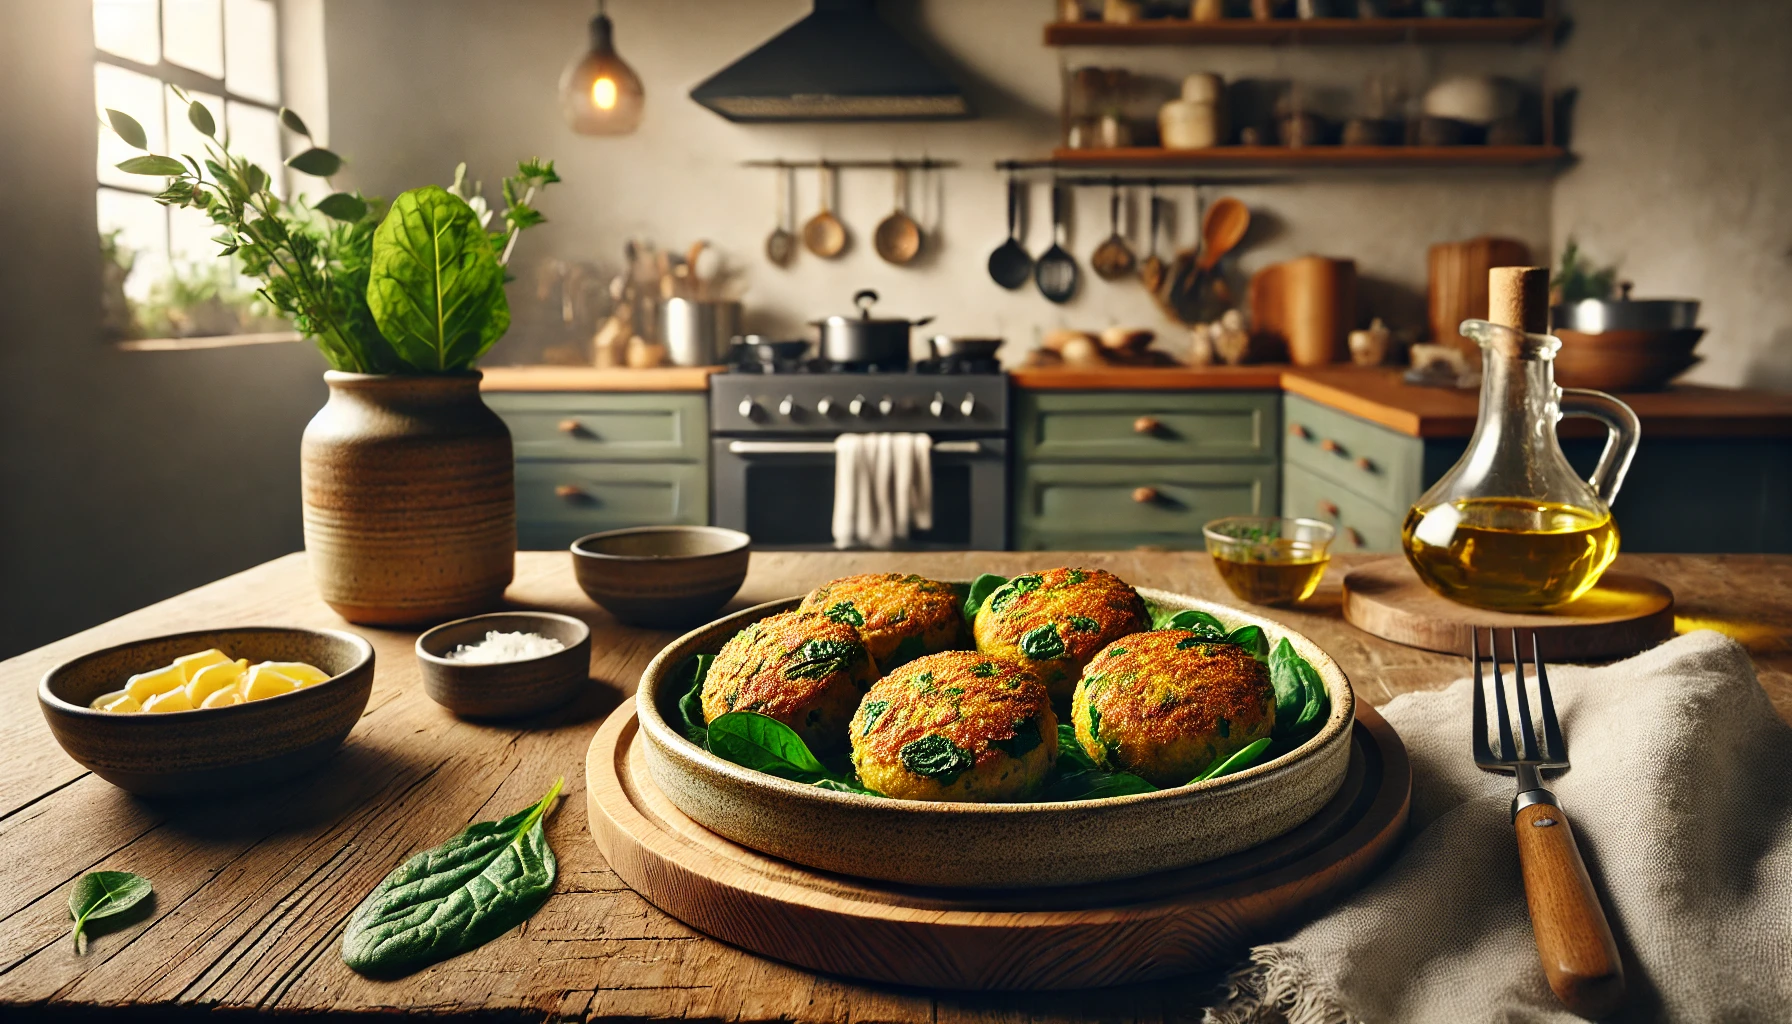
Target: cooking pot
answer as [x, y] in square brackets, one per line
[1593, 316]
[866, 339]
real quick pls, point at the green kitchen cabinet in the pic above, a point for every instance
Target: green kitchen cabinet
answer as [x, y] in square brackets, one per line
[1682, 494]
[1127, 469]
[591, 461]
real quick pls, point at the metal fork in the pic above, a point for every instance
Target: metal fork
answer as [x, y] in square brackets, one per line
[1575, 943]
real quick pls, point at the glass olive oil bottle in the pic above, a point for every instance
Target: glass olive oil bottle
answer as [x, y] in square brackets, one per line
[1509, 553]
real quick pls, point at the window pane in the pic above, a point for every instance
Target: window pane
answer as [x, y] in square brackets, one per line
[139, 96]
[255, 134]
[193, 35]
[190, 235]
[128, 28]
[252, 63]
[143, 229]
[183, 138]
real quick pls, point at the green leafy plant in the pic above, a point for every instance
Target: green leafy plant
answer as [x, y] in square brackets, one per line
[1577, 279]
[102, 894]
[462, 894]
[321, 266]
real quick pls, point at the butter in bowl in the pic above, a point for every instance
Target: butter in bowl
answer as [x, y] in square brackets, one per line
[506, 664]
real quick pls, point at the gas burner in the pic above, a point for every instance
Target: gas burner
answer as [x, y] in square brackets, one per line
[958, 366]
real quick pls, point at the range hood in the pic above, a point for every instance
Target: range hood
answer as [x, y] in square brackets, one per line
[841, 63]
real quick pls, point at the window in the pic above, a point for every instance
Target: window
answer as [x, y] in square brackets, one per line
[224, 53]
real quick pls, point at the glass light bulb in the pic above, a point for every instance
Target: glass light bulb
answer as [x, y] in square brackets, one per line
[599, 93]
[603, 93]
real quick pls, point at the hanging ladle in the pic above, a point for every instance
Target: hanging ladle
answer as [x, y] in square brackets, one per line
[780, 245]
[1113, 259]
[1056, 272]
[1010, 264]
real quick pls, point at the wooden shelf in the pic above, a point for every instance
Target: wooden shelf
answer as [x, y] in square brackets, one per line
[1250, 32]
[1269, 157]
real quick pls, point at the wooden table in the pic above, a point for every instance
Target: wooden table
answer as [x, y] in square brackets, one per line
[252, 892]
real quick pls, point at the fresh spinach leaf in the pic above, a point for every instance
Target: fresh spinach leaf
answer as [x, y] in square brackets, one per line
[102, 894]
[1042, 643]
[690, 706]
[843, 611]
[1025, 739]
[1195, 621]
[1070, 753]
[846, 786]
[1239, 761]
[817, 659]
[436, 288]
[1014, 588]
[1086, 784]
[1251, 638]
[936, 757]
[981, 587]
[874, 710]
[764, 744]
[462, 894]
[1300, 693]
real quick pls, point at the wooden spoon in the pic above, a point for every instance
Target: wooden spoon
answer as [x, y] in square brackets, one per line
[824, 235]
[780, 245]
[1113, 259]
[898, 238]
[1224, 226]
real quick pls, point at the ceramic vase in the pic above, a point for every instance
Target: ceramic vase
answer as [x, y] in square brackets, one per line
[410, 498]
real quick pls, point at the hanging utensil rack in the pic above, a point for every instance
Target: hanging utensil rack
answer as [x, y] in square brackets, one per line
[1055, 171]
[923, 164]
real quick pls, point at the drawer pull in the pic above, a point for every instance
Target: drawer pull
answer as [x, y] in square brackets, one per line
[1363, 463]
[1330, 445]
[1296, 430]
[571, 427]
[1328, 509]
[1355, 538]
[1145, 495]
[569, 492]
[1146, 425]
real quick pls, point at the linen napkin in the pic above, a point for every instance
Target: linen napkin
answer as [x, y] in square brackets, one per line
[1681, 800]
[883, 488]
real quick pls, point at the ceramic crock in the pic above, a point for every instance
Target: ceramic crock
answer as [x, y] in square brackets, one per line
[410, 498]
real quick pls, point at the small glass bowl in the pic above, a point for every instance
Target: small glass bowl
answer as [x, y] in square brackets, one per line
[1269, 560]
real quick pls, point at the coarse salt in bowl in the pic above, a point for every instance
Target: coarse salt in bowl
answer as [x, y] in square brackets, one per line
[506, 664]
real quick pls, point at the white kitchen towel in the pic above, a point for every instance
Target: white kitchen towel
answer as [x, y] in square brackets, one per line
[1681, 800]
[883, 488]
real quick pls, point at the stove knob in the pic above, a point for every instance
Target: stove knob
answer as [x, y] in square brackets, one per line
[857, 405]
[969, 405]
[825, 406]
[788, 408]
[937, 406]
[750, 409]
[886, 405]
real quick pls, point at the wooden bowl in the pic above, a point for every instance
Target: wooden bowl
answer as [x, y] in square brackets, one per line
[661, 577]
[210, 750]
[993, 846]
[1682, 341]
[508, 689]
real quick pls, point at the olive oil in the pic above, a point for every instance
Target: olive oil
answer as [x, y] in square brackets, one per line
[1280, 572]
[1509, 554]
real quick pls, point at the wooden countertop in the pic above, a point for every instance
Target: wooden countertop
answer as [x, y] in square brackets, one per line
[591, 378]
[1379, 396]
[252, 893]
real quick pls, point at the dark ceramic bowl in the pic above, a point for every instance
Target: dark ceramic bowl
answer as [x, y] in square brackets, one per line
[662, 577]
[512, 688]
[210, 750]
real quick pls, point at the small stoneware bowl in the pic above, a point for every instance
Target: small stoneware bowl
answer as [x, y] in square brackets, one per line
[210, 750]
[662, 576]
[511, 688]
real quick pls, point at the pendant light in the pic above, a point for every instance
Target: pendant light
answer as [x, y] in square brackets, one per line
[599, 93]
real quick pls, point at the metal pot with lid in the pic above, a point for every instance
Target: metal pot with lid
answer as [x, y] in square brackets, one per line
[881, 341]
[1595, 316]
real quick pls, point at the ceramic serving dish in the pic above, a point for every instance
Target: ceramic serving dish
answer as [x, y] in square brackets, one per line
[212, 750]
[991, 845]
[661, 577]
[511, 688]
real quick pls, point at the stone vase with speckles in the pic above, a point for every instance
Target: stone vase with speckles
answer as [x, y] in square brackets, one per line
[409, 498]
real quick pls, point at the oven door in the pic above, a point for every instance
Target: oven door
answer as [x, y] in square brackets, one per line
[781, 492]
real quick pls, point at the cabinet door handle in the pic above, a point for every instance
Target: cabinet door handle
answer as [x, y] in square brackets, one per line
[1296, 430]
[1329, 445]
[1365, 464]
[571, 427]
[1146, 425]
[1145, 495]
[569, 492]
[1328, 509]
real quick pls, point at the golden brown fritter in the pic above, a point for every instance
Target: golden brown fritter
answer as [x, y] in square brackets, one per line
[901, 616]
[1165, 705]
[804, 670]
[1056, 620]
[956, 726]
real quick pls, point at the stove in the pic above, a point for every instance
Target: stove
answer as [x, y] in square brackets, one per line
[773, 430]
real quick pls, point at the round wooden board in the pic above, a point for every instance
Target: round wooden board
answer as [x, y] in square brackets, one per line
[1624, 614]
[1108, 934]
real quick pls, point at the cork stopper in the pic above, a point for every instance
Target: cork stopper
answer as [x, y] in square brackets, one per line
[1518, 297]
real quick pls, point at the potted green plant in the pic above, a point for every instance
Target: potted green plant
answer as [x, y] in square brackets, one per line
[408, 478]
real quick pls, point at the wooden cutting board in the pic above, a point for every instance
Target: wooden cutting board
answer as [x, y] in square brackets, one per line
[1457, 284]
[1109, 934]
[1624, 614]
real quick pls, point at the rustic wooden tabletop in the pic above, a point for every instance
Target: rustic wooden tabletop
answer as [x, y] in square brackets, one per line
[252, 892]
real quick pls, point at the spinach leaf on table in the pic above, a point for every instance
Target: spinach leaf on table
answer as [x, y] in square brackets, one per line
[981, 587]
[1237, 762]
[690, 706]
[462, 894]
[102, 894]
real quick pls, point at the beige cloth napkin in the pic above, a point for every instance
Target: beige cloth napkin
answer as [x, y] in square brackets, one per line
[1681, 799]
[883, 488]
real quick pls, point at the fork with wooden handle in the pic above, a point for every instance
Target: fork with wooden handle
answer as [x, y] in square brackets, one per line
[1575, 943]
